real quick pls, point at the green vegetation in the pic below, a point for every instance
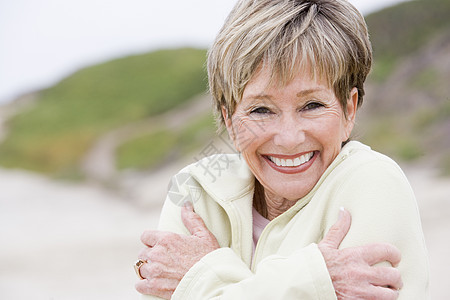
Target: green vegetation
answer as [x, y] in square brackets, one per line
[400, 30]
[445, 170]
[411, 112]
[408, 137]
[197, 134]
[427, 117]
[54, 134]
[155, 149]
[388, 137]
[425, 80]
[382, 68]
[146, 151]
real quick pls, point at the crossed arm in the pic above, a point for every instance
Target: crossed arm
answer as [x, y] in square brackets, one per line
[352, 270]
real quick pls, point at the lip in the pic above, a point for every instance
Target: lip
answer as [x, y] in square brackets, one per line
[291, 170]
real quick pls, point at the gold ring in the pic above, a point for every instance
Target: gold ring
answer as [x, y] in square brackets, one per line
[137, 267]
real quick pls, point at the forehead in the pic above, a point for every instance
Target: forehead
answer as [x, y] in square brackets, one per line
[264, 81]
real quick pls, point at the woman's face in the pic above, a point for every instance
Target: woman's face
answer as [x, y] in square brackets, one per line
[290, 134]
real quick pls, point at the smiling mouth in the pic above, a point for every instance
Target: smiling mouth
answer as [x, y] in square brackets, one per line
[294, 162]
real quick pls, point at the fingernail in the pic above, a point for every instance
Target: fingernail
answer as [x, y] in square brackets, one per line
[341, 212]
[188, 205]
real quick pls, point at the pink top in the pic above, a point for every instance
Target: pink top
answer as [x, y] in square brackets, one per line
[259, 223]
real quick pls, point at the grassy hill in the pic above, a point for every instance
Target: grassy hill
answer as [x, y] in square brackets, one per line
[401, 30]
[406, 113]
[160, 146]
[53, 134]
[407, 109]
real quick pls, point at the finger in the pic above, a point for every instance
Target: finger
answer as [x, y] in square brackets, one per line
[380, 252]
[384, 293]
[151, 269]
[338, 231]
[386, 277]
[151, 237]
[145, 254]
[193, 221]
[155, 269]
[162, 288]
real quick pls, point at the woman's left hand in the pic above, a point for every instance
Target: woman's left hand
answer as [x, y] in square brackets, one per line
[169, 256]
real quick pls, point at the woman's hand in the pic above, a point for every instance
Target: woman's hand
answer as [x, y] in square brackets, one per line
[169, 255]
[352, 270]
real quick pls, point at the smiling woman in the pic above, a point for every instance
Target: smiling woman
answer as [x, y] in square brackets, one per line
[287, 77]
[300, 129]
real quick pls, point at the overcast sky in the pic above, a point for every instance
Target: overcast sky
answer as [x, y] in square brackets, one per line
[42, 41]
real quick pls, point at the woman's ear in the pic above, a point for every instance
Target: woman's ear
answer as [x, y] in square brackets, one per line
[352, 106]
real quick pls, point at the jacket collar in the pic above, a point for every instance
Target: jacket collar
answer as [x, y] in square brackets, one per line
[223, 176]
[227, 177]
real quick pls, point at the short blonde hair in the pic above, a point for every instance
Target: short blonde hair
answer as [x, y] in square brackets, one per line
[330, 36]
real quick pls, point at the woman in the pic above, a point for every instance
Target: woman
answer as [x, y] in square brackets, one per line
[287, 78]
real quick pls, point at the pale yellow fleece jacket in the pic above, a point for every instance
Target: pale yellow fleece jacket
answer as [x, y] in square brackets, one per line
[287, 263]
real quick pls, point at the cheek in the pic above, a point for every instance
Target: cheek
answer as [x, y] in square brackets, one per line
[335, 126]
[329, 131]
[249, 134]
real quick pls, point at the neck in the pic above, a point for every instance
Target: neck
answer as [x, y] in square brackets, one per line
[269, 205]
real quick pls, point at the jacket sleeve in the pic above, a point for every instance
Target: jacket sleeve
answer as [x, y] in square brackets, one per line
[222, 274]
[384, 209]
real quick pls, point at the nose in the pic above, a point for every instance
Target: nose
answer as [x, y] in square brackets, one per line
[289, 133]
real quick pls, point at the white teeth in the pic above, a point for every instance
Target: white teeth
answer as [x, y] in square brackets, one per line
[277, 161]
[303, 160]
[292, 162]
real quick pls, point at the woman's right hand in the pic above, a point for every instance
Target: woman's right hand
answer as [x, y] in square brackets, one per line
[352, 270]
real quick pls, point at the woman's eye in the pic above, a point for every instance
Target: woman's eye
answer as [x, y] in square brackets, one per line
[312, 105]
[260, 110]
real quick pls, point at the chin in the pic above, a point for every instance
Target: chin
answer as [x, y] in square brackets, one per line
[294, 196]
[291, 193]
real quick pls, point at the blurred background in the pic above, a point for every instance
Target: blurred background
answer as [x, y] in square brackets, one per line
[101, 102]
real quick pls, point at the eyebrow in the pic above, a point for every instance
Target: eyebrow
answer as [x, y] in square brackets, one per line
[308, 92]
[261, 96]
[300, 94]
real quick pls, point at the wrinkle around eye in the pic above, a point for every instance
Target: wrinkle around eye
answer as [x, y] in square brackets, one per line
[260, 111]
[313, 105]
